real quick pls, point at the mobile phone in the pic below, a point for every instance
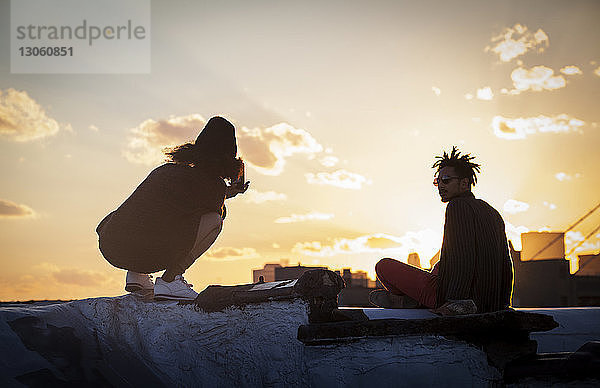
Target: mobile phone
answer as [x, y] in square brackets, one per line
[242, 178]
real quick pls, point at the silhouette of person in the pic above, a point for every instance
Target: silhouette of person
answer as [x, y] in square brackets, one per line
[475, 271]
[175, 214]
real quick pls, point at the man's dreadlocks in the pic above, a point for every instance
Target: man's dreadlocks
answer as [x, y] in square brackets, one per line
[462, 164]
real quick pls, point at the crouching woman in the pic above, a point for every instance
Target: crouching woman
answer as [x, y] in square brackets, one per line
[175, 214]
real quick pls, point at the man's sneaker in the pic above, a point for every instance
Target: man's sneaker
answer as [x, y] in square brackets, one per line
[178, 289]
[456, 307]
[384, 298]
[138, 282]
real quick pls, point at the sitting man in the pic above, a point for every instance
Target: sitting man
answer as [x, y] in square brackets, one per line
[475, 272]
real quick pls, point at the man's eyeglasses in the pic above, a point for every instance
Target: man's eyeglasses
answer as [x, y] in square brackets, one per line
[445, 179]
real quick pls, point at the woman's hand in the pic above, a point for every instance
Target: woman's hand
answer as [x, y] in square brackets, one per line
[236, 188]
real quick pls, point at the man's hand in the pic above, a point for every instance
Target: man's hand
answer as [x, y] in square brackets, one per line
[236, 188]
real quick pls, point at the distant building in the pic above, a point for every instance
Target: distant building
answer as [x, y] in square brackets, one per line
[541, 283]
[358, 288]
[288, 273]
[267, 273]
[543, 279]
[356, 279]
[542, 246]
[589, 265]
[587, 281]
[356, 293]
[435, 259]
[413, 259]
[276, 272]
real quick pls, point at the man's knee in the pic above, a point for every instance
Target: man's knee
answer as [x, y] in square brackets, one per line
[383, 264]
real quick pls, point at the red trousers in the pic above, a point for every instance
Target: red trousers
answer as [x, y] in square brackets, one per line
[400, 278]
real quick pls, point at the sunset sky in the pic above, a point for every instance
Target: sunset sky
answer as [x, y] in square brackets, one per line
[340, 108]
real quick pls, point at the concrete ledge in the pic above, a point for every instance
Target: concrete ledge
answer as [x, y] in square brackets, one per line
[500, 324]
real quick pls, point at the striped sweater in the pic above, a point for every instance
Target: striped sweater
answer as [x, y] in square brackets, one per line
[475, 262]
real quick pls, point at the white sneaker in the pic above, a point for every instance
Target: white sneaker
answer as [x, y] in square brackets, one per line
[138, 282]
[178, 289]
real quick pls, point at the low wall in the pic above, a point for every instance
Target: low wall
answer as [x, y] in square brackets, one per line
[125, 341]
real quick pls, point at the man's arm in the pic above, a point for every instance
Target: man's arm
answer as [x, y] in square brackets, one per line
[459, 252]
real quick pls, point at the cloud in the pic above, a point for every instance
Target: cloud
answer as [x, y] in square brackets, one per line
[79, 277]
[264, 148]
[74, 276]
[513, 206]
[597, 71]
[516, 41]
[230, 253]
[563, 176]
[427, 242]
[38, 284]
[573, 238]
[537, 79]
[437, 91]
[22, 119]
[253, 196]
[48, 281]
[304, 217]
[339, 178]
[267, 149]
[571, 70]
[329, 161]
[485, 93]
[94, 128]
[9, 209]
[151, 137]
[551, 206]
[520, 128]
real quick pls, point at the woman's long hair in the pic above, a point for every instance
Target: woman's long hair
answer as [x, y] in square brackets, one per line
[190, 154]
